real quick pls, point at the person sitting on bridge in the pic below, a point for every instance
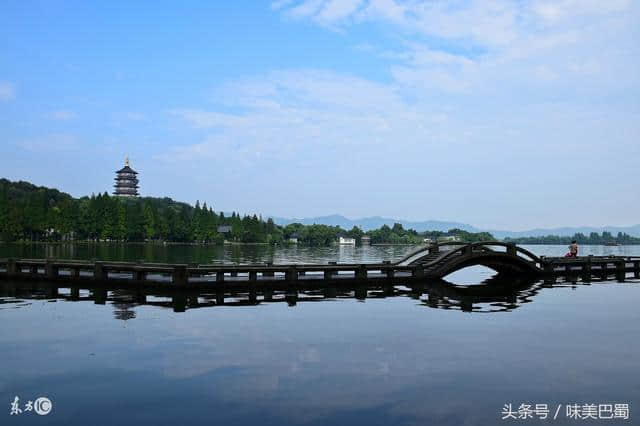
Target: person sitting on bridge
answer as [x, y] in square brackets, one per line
[573, 249]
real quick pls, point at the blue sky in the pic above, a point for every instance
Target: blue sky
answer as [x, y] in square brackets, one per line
[501, 114]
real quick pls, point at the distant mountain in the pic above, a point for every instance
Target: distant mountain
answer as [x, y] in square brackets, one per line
[375, 222]
[633, 230]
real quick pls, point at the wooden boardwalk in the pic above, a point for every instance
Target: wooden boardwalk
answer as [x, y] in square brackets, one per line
[431, 262]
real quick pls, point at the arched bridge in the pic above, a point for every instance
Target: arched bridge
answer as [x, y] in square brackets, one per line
[439, 260]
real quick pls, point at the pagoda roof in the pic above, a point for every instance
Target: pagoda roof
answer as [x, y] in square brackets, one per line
[126, 169]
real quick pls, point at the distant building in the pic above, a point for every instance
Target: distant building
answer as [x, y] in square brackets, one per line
[224, 229]
[347, 241]
[450, 239]
[293, 238]
[366, 240]
[126, 181]
[427, 240]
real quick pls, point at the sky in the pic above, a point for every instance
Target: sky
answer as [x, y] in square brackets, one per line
[500, 114]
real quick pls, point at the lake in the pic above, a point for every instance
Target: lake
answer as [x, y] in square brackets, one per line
[456, 353]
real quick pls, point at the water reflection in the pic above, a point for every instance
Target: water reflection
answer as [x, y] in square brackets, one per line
[207, 254]
[493, 295]
[420, 355]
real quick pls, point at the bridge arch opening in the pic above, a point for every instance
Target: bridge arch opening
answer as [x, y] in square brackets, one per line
[471, 275]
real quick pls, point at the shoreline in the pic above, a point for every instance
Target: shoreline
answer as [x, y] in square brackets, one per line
[235, 243]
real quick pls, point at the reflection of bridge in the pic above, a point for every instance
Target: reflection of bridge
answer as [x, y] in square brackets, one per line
[494, 295]
[433, 262]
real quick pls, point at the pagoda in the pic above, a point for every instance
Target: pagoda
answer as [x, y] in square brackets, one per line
[126, 181]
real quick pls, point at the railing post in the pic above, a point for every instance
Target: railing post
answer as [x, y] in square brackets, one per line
[291, 274]
[220, 295]
[416, 290]
[549, 268]
[141, 296]
[268, 294]
[390, 272]
[180, 275]
[291, 297]
[586, 269]
[219, 276]
[253, 291]
[621, 273]
[604, 273]
[435, 248]
[330, 292]
[179, 302]
[139, 276]
[636, 269]
[328, 274]
[418, 272]
[99, 295]
[51, 270]
[99, 272]
[511, 249]
[361, 272]
[268, 273]
[12, 268]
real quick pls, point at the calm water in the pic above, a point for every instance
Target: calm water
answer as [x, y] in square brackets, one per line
[452, 355]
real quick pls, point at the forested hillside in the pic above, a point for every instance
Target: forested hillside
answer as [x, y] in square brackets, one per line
[36, 213]
[29, 212]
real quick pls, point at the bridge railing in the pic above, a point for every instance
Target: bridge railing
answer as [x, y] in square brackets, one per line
[430, 248]
[463, 248]
[513, 248]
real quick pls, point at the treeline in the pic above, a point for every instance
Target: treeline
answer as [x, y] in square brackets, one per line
[33, 213]
[325, 235]
[461, 235]
[592, 239]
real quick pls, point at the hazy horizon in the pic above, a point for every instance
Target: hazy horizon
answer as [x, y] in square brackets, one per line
[510, 115]
[358, 218]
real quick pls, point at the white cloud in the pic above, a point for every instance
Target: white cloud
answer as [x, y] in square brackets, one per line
[338, 9]
[206, 119]
[50, 143]
[134, 116]
[307, 110]
[6, 91]
[556, 10]
[279, 4]
[62, 115]
[503, 38]
[474, 86]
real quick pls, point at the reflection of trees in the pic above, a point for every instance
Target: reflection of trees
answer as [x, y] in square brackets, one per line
[122, 312]
[122, 305]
